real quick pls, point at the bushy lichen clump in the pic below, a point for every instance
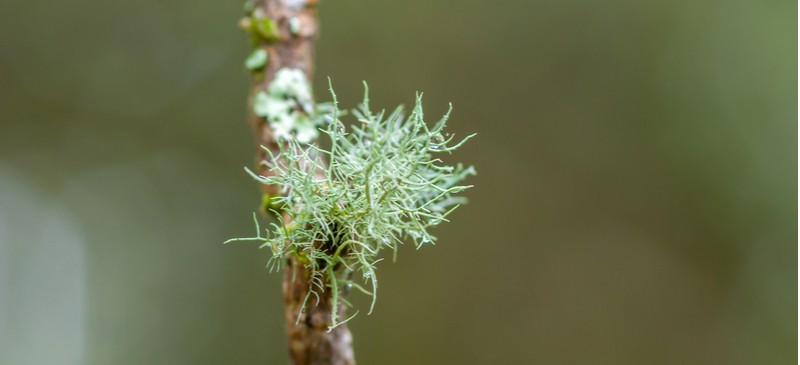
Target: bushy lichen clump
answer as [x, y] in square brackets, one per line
[383, 185]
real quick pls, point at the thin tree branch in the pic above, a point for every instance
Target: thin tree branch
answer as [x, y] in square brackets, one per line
[296, 28]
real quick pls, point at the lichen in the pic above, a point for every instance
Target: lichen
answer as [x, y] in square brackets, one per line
[296, 4]
[257, 60]
[383, 185]
[262, 27]
[294, 25]
[288, 106]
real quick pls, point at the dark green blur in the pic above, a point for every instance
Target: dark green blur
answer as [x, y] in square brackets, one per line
[636, 201]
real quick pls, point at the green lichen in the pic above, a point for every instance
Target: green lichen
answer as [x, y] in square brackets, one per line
[261, 28]
[384, 184]
[269, 204]
[266, 28]
[257, 59]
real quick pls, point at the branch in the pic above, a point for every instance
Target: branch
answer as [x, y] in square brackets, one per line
[283, 33]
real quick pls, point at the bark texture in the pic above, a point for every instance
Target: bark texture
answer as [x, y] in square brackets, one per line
[297, 29]
[309, 341]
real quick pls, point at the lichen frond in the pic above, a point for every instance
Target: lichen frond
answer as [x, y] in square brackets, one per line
[384, 184]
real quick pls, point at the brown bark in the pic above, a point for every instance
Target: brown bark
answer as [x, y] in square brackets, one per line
[309, 341]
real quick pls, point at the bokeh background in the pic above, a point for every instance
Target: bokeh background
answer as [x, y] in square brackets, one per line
[636, 201]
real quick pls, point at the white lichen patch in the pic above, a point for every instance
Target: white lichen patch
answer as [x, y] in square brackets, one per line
[294, 25]
[289, 107]
[296, 4]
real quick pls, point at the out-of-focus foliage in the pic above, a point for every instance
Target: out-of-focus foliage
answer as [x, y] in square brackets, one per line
[636, 202]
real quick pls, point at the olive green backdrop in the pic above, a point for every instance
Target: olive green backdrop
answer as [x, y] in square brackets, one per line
[636, 201]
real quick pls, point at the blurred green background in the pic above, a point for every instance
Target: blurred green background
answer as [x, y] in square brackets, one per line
[636, 201]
